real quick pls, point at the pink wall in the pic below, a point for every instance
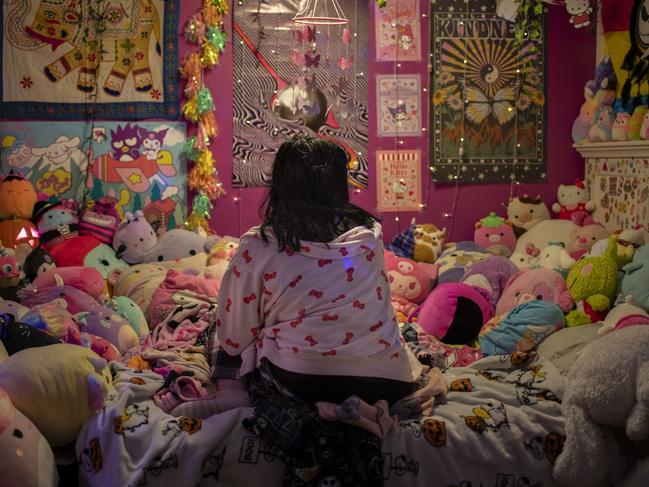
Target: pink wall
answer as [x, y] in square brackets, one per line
[570, 59]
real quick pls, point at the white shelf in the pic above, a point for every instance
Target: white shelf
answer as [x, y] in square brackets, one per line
[627, 148]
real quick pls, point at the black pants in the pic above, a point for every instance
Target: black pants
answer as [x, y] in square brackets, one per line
[337, 388]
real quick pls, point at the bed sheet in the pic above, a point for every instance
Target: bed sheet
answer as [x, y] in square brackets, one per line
[500, 425]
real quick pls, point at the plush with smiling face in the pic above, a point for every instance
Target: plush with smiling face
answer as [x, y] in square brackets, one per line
[496, 235]
[583, 238]
[407, 278]
[134, 238]
[573, 202]
[535, 284]
[526, 211]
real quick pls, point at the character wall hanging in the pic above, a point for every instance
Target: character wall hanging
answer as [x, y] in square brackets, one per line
[636, 61]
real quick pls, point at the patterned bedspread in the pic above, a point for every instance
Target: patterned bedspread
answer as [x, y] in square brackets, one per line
[500, 426]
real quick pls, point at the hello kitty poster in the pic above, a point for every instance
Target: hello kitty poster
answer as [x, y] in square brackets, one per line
[141, 165]
[398, 31]
[399, 105]
[398, 179]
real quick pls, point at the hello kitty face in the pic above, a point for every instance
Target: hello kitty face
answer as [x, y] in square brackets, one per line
[406, 42]
[576, 7]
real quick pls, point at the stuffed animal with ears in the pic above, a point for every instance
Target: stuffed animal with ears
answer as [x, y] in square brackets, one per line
[134, 238]
[538, 284]
[556, 258]
[583, 238]
[496, 235]
[408, 279]
[100, 220]
[11, 272]
[600, 131]
[526, 211]
[419, 242]
[620, 130]
[592, 283]
[628, 241]
[605, 78]
[177, 243]
[579, 11]
[56, 220]
[574, 203]
[607, 386]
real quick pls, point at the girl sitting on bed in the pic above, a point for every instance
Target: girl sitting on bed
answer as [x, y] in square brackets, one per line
[306, 297]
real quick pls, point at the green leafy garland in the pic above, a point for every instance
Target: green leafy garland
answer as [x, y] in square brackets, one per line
[527, 26]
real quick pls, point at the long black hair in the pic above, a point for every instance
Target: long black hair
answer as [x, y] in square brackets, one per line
[308, 197]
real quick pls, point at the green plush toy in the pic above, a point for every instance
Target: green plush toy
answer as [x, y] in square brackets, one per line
[592, 283]
[128, 309]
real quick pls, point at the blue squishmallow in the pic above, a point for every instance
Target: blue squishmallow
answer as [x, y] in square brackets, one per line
[521, 329]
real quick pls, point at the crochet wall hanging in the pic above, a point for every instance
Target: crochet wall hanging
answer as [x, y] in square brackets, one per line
[71, 59]
[299, 66]
[487, 113]
[141, 165]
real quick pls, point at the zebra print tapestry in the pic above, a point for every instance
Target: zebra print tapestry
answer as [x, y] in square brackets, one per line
[292, 77]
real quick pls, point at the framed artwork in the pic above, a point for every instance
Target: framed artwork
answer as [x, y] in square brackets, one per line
[398, 177]
[399, 105]
[488, 104]
[398, 31]
[72, 60]
[294, 78]
[140, 165]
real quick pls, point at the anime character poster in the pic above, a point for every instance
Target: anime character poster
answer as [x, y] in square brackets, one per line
[140, 165]
[71, 59]
[399, 105]
[292, 77]
[398, 180]
[487, 113]
[398, 31]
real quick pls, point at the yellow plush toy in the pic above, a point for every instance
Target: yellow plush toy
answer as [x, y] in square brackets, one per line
[58, 387]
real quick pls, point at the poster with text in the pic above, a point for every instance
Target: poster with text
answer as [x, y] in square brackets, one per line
[398, 177]
[398, 31]
[488, 104]
[72, 60]
[399, 105]
[139, 165]
[292, 78]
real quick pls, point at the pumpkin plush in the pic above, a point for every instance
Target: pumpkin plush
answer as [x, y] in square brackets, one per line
[16, 231]
[17, 197]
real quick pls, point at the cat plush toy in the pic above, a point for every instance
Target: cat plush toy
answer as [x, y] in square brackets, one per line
[134, 238]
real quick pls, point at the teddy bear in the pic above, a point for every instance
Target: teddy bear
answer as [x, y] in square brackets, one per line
[607, 386]
[526, 211]
[495, 234]
[592, 283]
[574, 203]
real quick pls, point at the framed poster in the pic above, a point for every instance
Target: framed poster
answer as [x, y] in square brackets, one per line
[398, 177]
[140, 165]
[488, 104]
[292, 78]
[108, 59]
[398, 31]
[399, 105]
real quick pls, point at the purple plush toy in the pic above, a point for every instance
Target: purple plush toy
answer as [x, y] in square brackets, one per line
[134, 238]
[455, 313]
[491, 274]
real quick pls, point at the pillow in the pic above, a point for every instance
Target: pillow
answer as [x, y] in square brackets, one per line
[85, 279]
[77, 301]
[27, 459]
[179, 289]
[522, 329]
[454, 312]
[57, 387]
[176, 244]
[544, 233]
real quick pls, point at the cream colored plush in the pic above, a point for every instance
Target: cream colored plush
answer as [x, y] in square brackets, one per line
[58, 387]
[544, 233]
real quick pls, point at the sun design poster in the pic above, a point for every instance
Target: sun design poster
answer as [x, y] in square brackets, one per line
[487, 114]
[398, 180]
[398, 31]
[71, 59]
[292, 77]
[399, 105]
[140, 165]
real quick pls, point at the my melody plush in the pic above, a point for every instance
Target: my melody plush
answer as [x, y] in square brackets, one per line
[574, 203]
[57, 387]
[556, 258]
[526, 211]
[408, 279]
[607, 386]
[491, 274]
[526, 259]
[27, 458]
[134, 238]
[635, 282]
[592, 283]
[535, 284]
[583, 238]
[495, 234]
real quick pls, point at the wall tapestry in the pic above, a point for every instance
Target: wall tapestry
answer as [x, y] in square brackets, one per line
[398, 105]
[488, 97]
[139, 164]
[291, 77]
[398, 176]
[70, 59]
[398, 31]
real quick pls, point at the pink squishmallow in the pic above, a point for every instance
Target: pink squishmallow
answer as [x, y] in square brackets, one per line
[86, 279]
[77, 301]
[180, 289]
[496, 235]
[540, 284]
[455, 312]
[582, 239]
[409, 279]
[100, 346]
